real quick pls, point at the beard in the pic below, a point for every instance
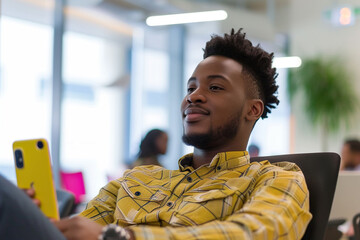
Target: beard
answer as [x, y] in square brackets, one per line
[214, 136]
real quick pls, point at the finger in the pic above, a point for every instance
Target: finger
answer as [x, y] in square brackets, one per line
[62, 224]
[36, 202]
[71, 234]
[53, 220]
[68, 228]
[30, 192]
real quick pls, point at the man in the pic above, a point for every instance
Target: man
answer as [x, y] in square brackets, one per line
[350, 155]
[216, 193]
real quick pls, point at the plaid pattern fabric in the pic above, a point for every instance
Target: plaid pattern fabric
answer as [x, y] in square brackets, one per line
[230, 198]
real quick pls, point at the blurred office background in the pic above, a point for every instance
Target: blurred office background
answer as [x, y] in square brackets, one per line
[92, 78]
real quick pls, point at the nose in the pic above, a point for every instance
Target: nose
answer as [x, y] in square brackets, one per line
[196, 97]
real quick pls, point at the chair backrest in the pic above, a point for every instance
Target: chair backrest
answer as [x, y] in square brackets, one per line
[73, 182]
[356, 225]
[321, 171]
[66, 202]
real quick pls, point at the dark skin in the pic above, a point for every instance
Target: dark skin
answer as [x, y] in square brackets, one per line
[217, 92]
[349, 159]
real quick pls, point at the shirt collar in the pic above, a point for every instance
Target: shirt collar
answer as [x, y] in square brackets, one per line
[221, 161]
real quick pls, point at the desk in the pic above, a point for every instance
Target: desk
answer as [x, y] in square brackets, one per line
[347, 195]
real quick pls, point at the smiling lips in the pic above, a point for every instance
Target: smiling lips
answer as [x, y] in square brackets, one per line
[194, 114]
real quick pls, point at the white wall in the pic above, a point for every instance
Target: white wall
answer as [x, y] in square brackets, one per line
[311, 33]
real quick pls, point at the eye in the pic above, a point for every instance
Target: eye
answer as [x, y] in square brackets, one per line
[216, 88]
[190, 89]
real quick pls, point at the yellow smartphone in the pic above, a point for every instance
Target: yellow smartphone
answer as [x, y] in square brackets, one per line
[33, 170]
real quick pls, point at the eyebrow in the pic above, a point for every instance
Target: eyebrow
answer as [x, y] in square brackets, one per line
[209, 78]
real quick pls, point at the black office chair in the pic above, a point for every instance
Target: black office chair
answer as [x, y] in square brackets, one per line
[66, 202]
[356, 225]
[321, 173]
[332, 229]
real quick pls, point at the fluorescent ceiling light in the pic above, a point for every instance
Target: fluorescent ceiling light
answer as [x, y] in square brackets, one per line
[286, 62]
[186, 18]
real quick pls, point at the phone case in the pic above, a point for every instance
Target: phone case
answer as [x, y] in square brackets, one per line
[33, 170]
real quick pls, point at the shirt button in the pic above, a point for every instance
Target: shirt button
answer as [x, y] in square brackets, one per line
[189, 179]
[169, 204]
[137, 193]
[218, 167]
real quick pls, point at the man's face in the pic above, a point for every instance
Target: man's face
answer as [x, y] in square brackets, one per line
[213, 109]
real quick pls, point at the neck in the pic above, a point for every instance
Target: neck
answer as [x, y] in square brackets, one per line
[201, 156]
[238, 143]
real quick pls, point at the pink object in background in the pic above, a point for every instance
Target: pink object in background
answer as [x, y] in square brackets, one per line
[74, 182]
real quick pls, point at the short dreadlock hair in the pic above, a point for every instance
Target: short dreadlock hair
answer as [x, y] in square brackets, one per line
[256, 65]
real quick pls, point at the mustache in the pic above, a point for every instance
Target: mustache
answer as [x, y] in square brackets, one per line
[192, 108]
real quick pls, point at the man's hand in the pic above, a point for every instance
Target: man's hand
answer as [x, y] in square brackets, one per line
[77, 228]
[31, 193]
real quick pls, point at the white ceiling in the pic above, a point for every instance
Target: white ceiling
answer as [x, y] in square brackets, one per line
[138, 10]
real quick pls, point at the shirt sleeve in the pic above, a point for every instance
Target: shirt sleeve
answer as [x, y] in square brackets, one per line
[277, 208]
[101, 208]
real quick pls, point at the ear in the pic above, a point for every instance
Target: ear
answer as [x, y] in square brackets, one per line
[254, 110]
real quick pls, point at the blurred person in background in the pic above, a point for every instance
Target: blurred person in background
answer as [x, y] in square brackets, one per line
[254, 150]
[350, 155]
[152, 145]
[350, 161]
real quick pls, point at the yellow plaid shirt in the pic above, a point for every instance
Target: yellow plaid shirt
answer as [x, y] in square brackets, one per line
[230, 198]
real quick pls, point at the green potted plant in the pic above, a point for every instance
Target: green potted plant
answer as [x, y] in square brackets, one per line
[329, 97]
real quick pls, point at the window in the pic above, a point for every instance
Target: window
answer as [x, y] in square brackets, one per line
[94, 101]
[25, 85]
